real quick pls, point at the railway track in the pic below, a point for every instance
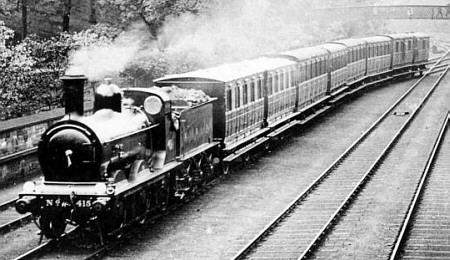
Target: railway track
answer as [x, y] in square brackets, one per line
[10, 219]
[304, 224]
[425, 230]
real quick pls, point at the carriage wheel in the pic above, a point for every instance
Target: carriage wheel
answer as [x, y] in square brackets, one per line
[246, 158]
[226, 168]
[267, 145]
[52, 226]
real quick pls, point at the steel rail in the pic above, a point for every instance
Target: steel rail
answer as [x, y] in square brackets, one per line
[33, 253]
[266, 230]
[414, 205]
[7, 204]
[16, 223]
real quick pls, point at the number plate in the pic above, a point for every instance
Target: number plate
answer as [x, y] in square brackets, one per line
[61, 203]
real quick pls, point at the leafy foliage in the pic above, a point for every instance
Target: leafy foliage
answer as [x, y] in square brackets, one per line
[30, 70]
[152, 12]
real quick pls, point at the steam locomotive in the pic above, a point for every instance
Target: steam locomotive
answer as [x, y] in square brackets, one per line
[143, 147]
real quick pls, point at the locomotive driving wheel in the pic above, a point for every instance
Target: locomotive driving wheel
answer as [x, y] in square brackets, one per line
[138, 166]
[52, 225]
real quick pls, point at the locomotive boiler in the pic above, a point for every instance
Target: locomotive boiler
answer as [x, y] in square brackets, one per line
[140, 148]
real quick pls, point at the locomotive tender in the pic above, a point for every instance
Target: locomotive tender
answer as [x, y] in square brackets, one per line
[143, 147]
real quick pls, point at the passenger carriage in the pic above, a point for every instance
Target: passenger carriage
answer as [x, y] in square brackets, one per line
[356, 67]
[252, 94]
[421, 47]
[312, 70]
[378, 52]
[337, 66]
[403, 52]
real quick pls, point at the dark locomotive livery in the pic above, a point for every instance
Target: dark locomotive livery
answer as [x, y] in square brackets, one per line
[143, 147]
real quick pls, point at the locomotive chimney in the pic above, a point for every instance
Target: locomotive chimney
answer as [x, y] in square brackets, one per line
[108, 96]
[73, 86]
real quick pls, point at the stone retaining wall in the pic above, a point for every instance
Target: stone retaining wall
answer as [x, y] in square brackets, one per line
[18, 144]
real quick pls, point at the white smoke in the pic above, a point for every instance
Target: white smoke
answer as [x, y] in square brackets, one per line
[99, 61]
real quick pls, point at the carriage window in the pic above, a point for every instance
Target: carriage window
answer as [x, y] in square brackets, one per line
[244, 94]
[289, 78]
[306, 71]
[269, 85]
[252, 91]
[397, 47]
[320, 67]
[260, 85]
[275, 83]
[318, 63]
[281, 81]
[237, 99]
[229, 97]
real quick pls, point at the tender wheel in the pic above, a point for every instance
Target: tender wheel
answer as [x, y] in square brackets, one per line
[208, 168]
[52, 226]
[163, 196]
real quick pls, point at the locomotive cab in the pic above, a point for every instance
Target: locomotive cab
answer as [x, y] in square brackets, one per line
[157, 106]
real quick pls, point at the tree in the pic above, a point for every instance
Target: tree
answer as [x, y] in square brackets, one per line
[152, 12]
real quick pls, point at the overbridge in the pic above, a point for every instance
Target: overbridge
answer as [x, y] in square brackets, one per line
[437, 12]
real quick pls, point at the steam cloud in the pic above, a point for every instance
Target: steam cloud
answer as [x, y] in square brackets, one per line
[234, 30]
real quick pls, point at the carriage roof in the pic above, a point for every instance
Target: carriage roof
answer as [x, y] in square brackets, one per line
[233, 71]
[333, 47]
[351, 42]
[305, 53]
[377, 39]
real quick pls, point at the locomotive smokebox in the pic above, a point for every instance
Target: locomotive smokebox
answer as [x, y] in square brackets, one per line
[74, 93]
